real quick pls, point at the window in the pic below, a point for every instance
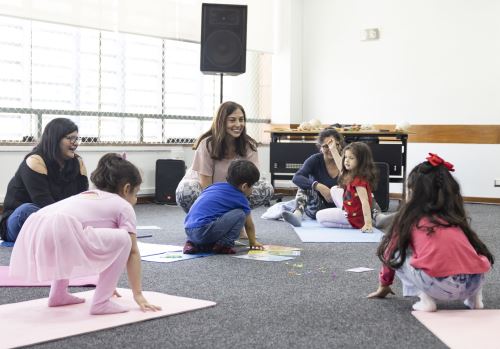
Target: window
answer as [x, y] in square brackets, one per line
[137, 89]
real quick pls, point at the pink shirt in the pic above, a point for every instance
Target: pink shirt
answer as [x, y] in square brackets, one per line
[445, 252]
[98, 209]
[217, 169]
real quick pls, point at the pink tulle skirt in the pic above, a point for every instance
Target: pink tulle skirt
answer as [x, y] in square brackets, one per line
[56, 246]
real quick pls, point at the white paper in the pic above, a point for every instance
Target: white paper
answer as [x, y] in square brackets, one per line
[147, 249]
[147, 227]
[265, 258]
[173, 257]
[359, 269]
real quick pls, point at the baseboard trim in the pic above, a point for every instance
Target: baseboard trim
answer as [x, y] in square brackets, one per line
[468, 199]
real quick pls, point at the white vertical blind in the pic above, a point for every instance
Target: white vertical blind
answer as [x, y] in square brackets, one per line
[172, 19]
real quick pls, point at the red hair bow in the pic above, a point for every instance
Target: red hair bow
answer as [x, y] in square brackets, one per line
[435, 160]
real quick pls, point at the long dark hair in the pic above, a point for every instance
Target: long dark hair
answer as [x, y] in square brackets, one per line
[49, 149]
[216, 136]
[113, 172]
[435, 195]
[365, 168]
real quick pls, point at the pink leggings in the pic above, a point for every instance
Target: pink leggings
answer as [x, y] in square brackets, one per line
[334, 217]
[108, 278]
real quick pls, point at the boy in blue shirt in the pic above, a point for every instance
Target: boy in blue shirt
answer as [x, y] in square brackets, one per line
[217, 216]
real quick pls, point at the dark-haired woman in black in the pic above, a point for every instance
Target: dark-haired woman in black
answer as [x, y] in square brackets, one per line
[52, 171]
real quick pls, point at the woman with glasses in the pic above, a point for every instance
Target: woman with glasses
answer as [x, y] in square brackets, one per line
[52, 171]
[315, 178]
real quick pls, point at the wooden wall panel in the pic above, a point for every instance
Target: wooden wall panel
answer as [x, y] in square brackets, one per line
[465, 134]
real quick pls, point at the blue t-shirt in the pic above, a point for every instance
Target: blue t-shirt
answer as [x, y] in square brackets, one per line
[213, 202]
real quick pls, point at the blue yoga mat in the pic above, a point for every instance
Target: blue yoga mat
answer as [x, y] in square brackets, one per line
[312, 231]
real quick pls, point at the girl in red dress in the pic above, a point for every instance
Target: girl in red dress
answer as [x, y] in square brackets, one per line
[357, 180]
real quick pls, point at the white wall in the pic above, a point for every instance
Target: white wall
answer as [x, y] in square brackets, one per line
[143, 157]
[436, 62]
[287, 63]
[476, 165]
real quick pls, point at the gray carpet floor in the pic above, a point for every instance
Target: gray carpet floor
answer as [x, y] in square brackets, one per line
[272, 304]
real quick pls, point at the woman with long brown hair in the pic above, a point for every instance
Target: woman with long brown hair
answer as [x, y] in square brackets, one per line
[227, 140]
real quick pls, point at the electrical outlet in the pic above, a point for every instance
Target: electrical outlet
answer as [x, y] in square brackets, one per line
[370, 34]
[497, 183]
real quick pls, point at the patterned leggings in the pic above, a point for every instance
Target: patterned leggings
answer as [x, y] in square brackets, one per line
[188, 191]
[309, 201]
[454, 287]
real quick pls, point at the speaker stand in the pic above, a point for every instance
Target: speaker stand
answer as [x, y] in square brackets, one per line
[221, 86]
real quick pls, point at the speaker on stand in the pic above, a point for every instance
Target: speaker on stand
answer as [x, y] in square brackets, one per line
[223, 40]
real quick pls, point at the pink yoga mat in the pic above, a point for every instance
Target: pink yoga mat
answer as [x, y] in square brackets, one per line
[7, 281]
[464, 328]
[31, 322]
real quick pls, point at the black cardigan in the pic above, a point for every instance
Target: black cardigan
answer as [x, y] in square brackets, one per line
[28, 186]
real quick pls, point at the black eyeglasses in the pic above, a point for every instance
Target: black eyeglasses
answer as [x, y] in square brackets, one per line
[73, 139]
[326, 147]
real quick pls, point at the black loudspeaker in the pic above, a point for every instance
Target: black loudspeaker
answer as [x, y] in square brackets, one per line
[382, 192]
[168, 175]
[223, 39]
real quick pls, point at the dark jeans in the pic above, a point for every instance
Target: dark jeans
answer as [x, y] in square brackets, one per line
[17, 218]
[223, 231]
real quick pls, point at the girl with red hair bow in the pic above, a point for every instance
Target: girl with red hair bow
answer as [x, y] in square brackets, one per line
[431, 246]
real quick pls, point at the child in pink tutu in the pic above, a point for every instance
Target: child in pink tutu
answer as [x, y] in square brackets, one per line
[91, 233]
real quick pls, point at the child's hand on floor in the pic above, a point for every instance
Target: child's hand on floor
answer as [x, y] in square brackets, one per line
[367, 228]
[144, 304]
[381, 292]
[256, 246]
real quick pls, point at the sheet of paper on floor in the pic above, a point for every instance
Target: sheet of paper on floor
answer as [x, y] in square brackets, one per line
[149, 249]
[277, 251]
[175, 256]
[264, 257]
[359, 269]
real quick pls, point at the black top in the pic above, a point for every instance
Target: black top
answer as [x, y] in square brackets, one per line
[28, 186]
[314, 170]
